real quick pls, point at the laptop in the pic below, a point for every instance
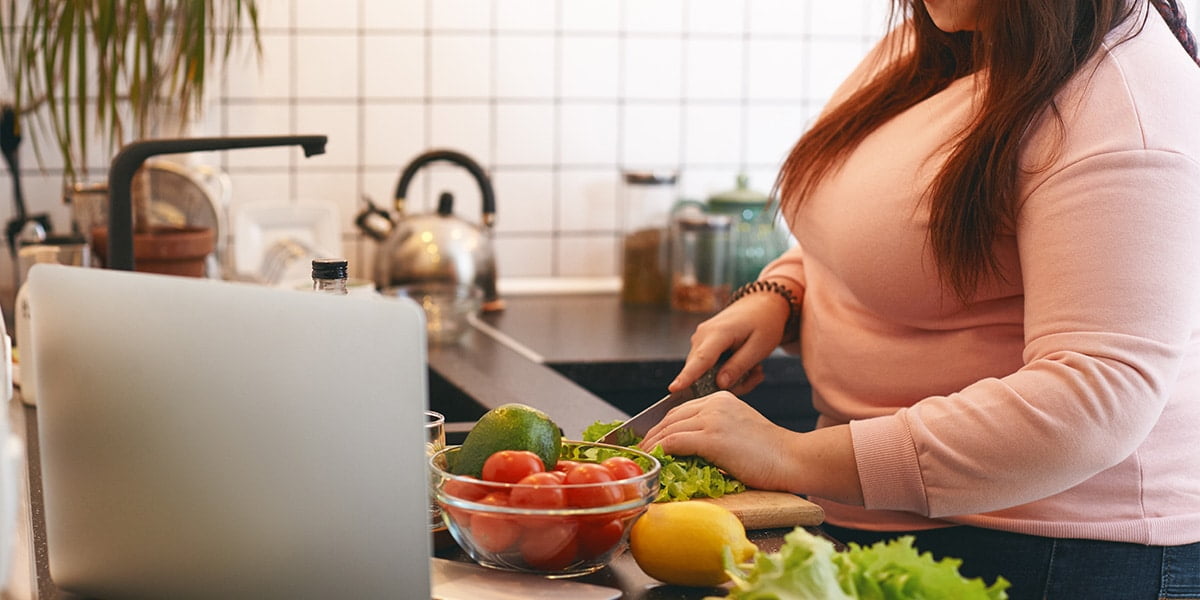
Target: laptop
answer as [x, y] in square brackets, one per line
[208, 439]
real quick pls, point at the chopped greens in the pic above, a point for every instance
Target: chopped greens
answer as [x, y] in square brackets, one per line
[681, 477]
[807, 567]
[599, 429]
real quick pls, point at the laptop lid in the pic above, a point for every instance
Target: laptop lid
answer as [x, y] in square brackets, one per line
[206, 439]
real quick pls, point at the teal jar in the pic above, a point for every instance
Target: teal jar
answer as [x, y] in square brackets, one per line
[756, 239]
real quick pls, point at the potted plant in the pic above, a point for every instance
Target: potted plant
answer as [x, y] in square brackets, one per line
[85, 73]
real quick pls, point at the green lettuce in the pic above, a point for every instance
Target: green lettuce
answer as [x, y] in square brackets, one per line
[680, 477]
[807, 567]
[599, 429]
[804, 568]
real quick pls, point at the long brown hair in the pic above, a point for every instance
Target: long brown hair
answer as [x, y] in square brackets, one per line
[1025, 51]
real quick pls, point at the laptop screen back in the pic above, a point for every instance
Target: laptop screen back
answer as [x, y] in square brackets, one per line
[204, 439]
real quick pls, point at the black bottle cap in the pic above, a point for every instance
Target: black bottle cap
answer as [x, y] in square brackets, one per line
[330, 268]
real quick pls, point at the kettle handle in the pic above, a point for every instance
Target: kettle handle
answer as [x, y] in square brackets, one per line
[460, 159]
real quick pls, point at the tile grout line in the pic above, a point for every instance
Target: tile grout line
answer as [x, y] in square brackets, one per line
[359, 167]
[293, 94]
[558, 203]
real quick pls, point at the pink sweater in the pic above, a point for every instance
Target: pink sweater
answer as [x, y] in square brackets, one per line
[1064, 402]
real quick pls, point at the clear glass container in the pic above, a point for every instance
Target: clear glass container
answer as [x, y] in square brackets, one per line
[329, 275]
[756, 238]
[701, 261]
[645, 269]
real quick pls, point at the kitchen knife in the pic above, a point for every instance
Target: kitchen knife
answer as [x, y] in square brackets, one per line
[641, 423]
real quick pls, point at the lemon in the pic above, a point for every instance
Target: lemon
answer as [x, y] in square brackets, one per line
[509, 427]
[683, 543]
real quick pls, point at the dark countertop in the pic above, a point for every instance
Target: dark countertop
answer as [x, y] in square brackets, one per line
[587, 357]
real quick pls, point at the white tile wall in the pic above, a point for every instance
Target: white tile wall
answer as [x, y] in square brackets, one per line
[553, 97]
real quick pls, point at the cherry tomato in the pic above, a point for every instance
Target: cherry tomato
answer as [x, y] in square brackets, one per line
[592, 495]
[551, 546]
[464, 490]
[538, 490]
[625, 468]
[493, 532]
[510, 466]
[599, 536]
[622, 467]
[566, 465]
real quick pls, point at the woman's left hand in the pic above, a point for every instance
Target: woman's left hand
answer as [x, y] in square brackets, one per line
[729, 433]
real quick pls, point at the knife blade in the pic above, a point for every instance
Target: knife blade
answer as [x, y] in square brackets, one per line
[642, 422]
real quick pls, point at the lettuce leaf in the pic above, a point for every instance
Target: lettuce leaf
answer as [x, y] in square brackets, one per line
[802, 569]
[895, 570]
[680, 478]
[806, 567]
[599, 429]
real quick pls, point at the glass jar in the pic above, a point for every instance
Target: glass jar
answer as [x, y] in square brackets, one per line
[701, 265]
[756, 239]
[329, 275]
[645, 267]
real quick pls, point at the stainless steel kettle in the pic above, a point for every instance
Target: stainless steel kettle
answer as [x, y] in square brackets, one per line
[437, 246]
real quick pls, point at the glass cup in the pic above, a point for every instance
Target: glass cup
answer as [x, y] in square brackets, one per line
[435, 441]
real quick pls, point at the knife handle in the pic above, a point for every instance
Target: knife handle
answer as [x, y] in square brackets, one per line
[707, 383]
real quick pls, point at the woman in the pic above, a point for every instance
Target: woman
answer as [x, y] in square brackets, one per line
[997, 291]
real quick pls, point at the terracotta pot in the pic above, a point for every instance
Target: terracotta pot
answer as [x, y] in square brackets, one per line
[165, 250]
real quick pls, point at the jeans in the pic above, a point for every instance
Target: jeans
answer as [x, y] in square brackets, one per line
[1042, 568]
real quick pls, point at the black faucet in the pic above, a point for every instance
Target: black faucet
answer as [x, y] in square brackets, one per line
[130, 158]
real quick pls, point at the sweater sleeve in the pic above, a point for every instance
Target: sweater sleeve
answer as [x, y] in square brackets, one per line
[790, 267]
[1110, 266]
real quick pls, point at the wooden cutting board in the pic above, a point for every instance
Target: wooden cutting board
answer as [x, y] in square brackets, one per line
[759, 509]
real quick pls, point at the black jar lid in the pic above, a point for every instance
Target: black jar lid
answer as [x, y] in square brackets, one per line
[330, 268]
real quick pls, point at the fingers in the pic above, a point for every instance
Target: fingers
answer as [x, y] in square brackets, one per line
[744, 363]
[685, 443]
[694, 415]
[702, 356]
[682, 413]
[748, 327]
[725, 431]
[748, 381]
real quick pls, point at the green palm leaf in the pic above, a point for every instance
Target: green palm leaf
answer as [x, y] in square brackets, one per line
[106, 71]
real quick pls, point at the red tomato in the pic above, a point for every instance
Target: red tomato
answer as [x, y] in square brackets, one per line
[592, 495]
[622, 467]
[559, 475]
[510, 466]
[464, 490]
[551, 546]
[599, 536]
[538, 490]
[493, 532]
[457, 515]
[566, 465]
[625, 468]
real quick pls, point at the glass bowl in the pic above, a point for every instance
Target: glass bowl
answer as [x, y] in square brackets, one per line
[574, 539]
[447, 306]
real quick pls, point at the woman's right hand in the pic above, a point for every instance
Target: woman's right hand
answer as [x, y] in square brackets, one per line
[751, 327]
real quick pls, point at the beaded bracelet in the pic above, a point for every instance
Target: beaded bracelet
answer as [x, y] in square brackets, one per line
[791, 329]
